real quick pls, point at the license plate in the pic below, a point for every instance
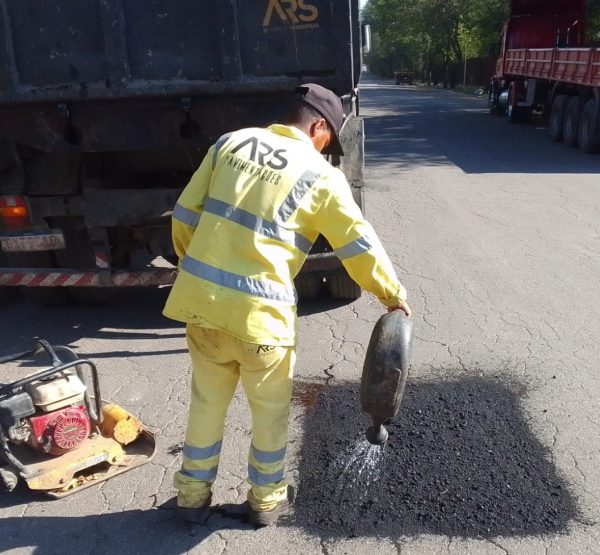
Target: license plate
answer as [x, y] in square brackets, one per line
[45, 241]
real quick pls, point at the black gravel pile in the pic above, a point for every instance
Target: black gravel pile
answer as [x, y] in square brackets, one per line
[461, 461]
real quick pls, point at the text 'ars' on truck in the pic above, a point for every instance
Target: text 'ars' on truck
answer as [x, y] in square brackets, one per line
[547, 66]
[107, 108]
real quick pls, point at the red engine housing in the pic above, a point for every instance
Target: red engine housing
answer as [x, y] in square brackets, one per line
[60, 431]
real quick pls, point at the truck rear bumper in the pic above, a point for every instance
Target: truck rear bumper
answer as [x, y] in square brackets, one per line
[53, 277]
[324, 262]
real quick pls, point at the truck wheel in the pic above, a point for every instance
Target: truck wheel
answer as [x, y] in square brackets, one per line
[515, 113]
[493, 105]
[588, 128]
[342, 286]
[557, 117]
[518, 114]
[308, 286]
[571, 121]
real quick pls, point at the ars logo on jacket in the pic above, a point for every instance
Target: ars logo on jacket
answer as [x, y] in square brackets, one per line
[298, 13]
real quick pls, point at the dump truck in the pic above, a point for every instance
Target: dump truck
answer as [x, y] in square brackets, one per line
[107, 107]
[546, 67]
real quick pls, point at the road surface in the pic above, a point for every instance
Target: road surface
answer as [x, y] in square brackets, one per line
[495, 232]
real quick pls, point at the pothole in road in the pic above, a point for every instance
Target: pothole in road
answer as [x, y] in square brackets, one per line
[461, 461]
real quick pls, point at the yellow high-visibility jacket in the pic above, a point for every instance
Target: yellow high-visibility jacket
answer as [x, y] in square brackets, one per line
[243, 226]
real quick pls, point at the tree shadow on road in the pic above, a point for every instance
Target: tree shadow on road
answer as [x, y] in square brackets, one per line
[407, 128]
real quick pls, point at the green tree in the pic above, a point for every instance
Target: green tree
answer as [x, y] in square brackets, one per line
[396, 45]
[593, 21]
[432, 33]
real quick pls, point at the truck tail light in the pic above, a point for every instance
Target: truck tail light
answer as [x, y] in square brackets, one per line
[14, 213]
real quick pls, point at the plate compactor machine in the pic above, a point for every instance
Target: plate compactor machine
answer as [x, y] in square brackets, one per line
[58, 435]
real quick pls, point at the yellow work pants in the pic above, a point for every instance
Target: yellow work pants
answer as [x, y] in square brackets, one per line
[219, 360]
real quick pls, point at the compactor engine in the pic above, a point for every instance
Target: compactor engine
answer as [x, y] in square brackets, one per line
[50, 415]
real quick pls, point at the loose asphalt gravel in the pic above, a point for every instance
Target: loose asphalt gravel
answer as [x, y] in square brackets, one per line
[461, 460]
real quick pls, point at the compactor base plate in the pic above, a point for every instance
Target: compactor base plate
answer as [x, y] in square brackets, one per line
[98, 459]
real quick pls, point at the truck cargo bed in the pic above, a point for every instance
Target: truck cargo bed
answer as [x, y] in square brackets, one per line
[61, 50]
[577, 66]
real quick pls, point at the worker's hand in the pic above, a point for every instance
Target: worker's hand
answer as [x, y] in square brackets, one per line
[403, 306]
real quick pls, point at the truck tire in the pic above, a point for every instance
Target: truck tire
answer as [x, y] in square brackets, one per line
[308, 286]
[588, 128]
[494, 105]
[557, 117]
[515, 113]
[571, 121]
[518, 114]
[512, 113]
[342, 286]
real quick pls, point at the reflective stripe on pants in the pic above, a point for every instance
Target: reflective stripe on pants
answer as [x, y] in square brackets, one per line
[219, 360]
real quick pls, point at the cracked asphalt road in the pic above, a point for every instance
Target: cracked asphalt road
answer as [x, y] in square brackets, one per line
[495, 232]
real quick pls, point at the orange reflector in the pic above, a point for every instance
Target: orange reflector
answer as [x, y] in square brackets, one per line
[14, 212]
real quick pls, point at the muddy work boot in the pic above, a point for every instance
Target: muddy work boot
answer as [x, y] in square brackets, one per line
[198, 515]
[270, 517]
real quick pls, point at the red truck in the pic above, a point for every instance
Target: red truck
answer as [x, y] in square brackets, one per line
[545, 66]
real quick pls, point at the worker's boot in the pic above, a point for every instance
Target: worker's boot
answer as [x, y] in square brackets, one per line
[270, 517]
[199, 515]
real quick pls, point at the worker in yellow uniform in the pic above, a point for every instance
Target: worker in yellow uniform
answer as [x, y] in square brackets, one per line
[242, 229]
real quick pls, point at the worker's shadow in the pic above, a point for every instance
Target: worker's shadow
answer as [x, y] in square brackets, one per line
[135, 531]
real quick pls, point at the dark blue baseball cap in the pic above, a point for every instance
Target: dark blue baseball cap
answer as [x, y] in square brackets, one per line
[329, 105]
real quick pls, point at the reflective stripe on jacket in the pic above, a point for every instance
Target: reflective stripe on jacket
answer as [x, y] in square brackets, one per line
[243, 226]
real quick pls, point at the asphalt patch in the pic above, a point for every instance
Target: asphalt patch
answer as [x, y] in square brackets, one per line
[461, 461]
